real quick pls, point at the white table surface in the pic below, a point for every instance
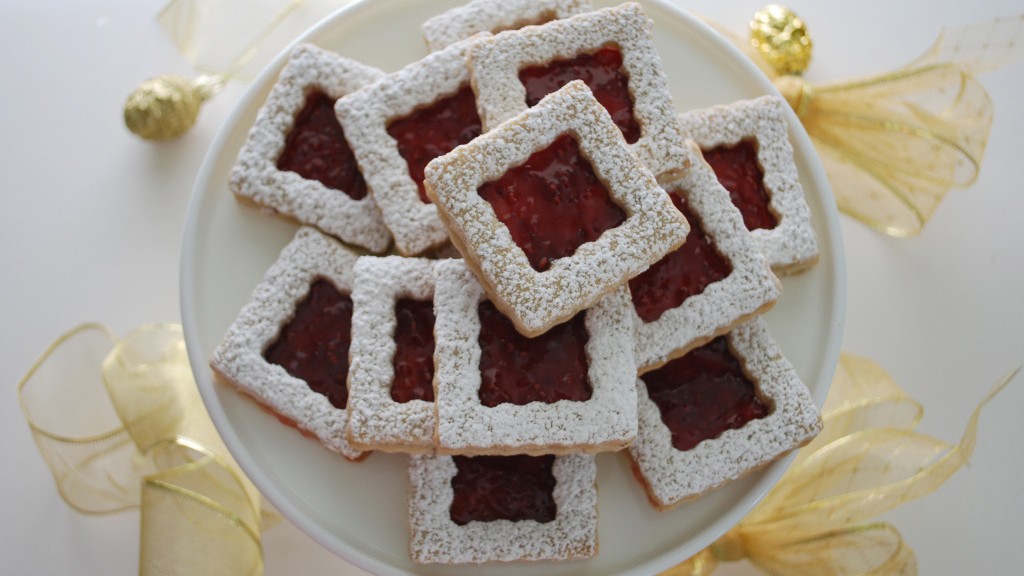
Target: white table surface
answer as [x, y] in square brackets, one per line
[91, 220]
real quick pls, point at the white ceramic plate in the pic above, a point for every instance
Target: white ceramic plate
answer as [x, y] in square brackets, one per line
[359, 510]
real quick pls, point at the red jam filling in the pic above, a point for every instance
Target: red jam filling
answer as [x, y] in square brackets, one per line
[520, 370]
[316, 148]
[435, 131]
[680, 274]
[552, 203]
[414, 351]
[313, 346]
[600, 71]
[512, 488]
[740, 173]
[704, 394]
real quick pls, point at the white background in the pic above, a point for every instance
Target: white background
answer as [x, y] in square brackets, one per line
[91, 219]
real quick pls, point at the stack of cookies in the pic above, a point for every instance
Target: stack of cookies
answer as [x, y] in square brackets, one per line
[514, 254]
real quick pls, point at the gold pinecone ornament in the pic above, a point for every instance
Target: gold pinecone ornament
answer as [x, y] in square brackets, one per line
[781, 38]
[166, 106]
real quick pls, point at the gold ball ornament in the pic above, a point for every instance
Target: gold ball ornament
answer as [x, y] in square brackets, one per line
[166, 106]
[781, 38]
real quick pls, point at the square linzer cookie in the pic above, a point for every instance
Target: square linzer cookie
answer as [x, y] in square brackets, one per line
[288, 347]
[611, 50]
[552, 211]
[716, 280]
[465, 509]
[391, 377]
[399, 124]
[747, 144]
[296, 162]
[571, 389]
[495, 16]
[717, 413]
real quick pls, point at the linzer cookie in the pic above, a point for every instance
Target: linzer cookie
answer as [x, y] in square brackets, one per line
[747, 144]
[288, 347]
[391, 377]
[296, 161]
[552, 211]
[399, 124]
[717, 413]
[495, 16]
[716, 280]
[612, 50]
[571, 389]
[502, 508]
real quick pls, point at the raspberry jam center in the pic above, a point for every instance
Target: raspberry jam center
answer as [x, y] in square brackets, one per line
[435, 131]
[316, 148]
[552, 203]
[740, 173]
[414, 351]
[513, 488]
[520, 370]
[600, 71]
[704, 394]
[680, 274]
[313, 345]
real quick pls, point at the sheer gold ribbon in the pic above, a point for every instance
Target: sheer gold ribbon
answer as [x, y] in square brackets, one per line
[121, 424]
[237, 39]
[868, 459]
[894, 144]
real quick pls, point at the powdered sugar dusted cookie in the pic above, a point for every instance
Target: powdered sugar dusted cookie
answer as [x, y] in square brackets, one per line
[548, 510]
[613, 49]
[716, 280]
[288, 347]
[295, 160]
[494, 16]
[747, 144]
[716, 414]
[552, 211]
[398, 124]
[498, 392]
[391, 378]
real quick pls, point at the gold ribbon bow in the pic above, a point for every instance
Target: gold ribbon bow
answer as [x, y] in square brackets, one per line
[867, 460]
[121, 424]
[894, 144]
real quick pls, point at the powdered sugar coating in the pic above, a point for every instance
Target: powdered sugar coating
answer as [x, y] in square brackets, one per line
[672, 476]
[791, 246]
[494, 16]
[495, 63]
[376, 421]
[533, 300]
[607, 421]
[239, 357]
[750, 288]
[435, 538]
[366, 115]
[256, 178]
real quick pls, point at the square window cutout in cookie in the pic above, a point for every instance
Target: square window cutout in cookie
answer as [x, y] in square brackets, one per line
[399, 124]
[466, 509]
[288, 347]
[612, 51]
[747, 144]
[495, 16]
[571, 389]
[717, 413]
[716, 280]
[552, 211]
[296, 161]
[391, 379]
